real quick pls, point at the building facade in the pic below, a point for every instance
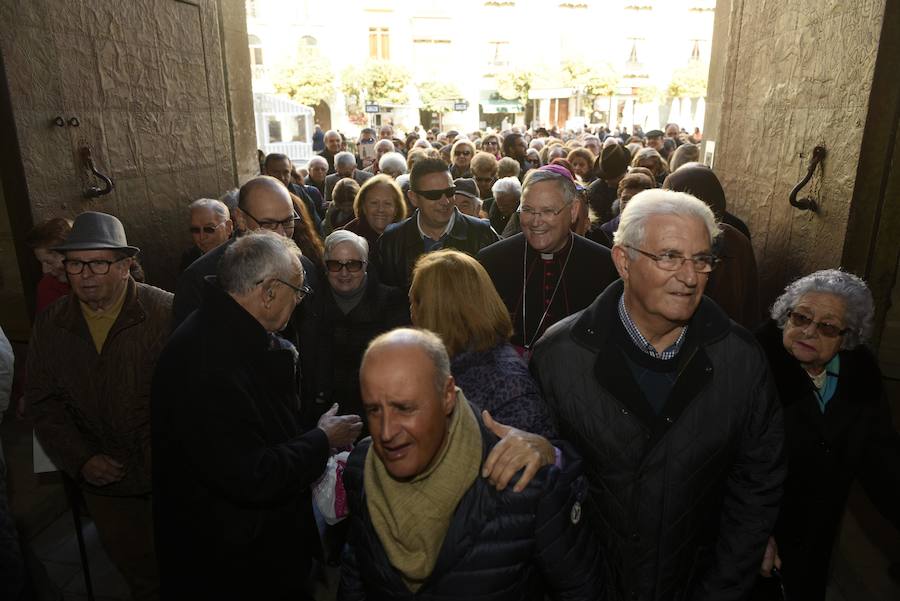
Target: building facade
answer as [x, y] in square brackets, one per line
[473, 45]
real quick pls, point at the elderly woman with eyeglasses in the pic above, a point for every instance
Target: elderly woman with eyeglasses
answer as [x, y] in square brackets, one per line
[356, 308]
[837, 422]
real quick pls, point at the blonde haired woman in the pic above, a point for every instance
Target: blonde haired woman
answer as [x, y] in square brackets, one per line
[452, 295]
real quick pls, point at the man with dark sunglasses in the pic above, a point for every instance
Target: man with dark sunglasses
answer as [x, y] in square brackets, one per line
[210, 226]
[435, 224]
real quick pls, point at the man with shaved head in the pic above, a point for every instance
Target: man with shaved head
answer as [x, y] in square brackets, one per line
[426, 520]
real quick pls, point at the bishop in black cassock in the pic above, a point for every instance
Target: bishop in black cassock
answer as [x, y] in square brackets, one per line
[540, 289]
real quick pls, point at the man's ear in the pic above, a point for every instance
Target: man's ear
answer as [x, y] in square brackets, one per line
[240, 220]
[229, 227]
[413, 198]
[574, 210]
[266, 293]
[449, 395]
[126, 264]
[621, 261]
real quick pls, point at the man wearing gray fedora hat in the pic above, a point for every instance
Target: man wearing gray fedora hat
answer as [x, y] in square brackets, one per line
[90, 364]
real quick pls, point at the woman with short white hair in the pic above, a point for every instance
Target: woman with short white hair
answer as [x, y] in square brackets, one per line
[837, 422]
[506, 194]
[356, 308]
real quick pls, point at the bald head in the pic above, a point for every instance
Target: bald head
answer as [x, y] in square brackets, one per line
[427, 343]
[264, 200]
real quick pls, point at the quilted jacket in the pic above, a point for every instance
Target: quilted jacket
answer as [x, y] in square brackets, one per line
[85, 402]
[500, 545]
[683, 501]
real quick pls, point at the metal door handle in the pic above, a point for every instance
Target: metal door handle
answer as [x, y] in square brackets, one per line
[808, 204]
[94, 191]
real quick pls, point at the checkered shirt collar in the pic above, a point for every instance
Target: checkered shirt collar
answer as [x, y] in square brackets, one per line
[641, 342]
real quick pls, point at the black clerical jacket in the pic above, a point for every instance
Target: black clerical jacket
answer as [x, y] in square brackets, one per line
[587, 273]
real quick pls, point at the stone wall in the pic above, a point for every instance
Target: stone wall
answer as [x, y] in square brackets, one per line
[796, 74]
[160, 95]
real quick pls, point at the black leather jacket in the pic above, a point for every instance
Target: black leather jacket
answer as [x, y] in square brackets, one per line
[401, 244]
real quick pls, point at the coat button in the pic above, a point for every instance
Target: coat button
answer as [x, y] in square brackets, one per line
[635, 537]
[708, 369]
[669, 420]
[624, 411]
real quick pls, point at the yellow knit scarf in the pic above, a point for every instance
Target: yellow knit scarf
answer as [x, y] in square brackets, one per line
[411, 518]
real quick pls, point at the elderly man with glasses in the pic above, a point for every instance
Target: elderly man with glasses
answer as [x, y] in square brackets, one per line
[435, 224]
[672, 406]
[210, 226]
[233, 464]
[90, 362]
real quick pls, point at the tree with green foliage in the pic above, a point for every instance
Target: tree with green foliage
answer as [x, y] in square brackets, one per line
[594, 81]
[438, 97]
[648, 94]
[379, 82]
[689, 82]
[308, 81]
[516, 84]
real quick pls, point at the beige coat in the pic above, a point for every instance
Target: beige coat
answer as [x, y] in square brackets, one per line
[83, 402]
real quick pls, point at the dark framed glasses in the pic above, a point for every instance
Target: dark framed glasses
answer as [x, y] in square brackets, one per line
[829, 330]
[97, 267]
[286, 225]
[437, 194]
[352, 266]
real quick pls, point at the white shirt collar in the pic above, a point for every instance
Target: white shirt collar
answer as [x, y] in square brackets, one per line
[446, 229]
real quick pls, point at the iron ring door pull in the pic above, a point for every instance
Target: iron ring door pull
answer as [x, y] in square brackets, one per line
[809, 203]
[94, 191]
[59, 122]
[74, 122]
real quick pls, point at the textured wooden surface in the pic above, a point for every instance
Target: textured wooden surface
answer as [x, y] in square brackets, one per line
[147, 81]
[797, 74]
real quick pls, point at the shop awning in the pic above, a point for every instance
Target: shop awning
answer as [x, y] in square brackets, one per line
[492, 102]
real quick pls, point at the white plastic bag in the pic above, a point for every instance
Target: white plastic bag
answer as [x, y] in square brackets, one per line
[328, 492]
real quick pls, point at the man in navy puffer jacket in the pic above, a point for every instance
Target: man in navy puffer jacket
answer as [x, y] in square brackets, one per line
[425, 523]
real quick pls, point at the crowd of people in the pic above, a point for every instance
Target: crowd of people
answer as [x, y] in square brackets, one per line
[502, 365]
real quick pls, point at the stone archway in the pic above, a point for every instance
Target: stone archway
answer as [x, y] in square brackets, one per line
[323, 115]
